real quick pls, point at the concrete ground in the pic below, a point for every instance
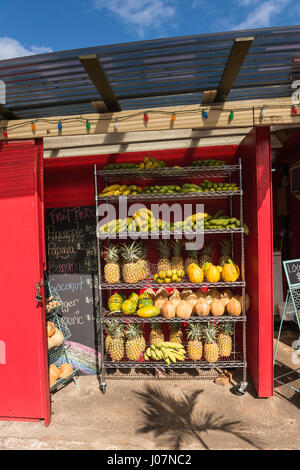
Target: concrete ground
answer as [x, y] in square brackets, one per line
[158, 415]
[164, 414]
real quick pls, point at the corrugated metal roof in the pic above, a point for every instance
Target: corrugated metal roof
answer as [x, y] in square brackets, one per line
[163, 72]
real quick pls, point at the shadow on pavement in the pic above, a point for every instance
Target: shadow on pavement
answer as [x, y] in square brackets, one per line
[173, 422]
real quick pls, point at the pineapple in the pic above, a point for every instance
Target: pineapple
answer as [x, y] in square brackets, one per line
[130, 269]
[211, 348]
[143, 263]
[156, 335]
[176, 334]
[205, 256]
[164, 261]
[134, 343]
[112, 267]
[225, 252]
[114, 341]
[177, 261]
[225, 340]
[194, 346]
[192, 258]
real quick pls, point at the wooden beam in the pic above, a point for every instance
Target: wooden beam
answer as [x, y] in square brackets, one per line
[247, 114]
[236, 58]
[99, 78]
[208, 97]
[6, 113]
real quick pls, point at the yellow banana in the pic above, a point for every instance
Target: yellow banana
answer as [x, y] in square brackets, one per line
[111, 188]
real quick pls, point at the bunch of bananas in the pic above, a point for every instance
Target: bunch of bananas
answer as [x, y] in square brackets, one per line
[115, 226]
[121, 190]
[168, 352]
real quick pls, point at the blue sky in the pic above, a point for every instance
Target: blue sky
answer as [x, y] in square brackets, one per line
[29, 27]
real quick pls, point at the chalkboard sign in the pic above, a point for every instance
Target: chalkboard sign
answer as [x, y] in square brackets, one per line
[72, 271]
[292, 272]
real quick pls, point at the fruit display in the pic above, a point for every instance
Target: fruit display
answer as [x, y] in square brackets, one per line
[156, 334]
[54, 335]
[144, 221]
[163, 189]
[112, 267]
[166, 306]
[195, 346]
[65, 371]
[167, 277]
[166, 351]
[121, 190]
[151, 164]
[221, 221]
[177, 304]
[211, 348]
[114, 341]
[225, 339]
[135, 343]
[209, 186]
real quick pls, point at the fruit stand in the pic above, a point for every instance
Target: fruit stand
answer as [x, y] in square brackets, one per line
[190, 310]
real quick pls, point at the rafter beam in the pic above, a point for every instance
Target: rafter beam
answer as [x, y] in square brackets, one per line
[208, 97]
[235, 61]
[99, 78]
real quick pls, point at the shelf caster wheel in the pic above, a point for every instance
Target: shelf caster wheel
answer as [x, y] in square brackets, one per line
[240, 389]
[103, 388]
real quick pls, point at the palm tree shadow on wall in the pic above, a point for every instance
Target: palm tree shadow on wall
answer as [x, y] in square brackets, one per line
[173, 421]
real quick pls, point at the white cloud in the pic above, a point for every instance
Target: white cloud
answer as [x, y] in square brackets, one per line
[140, 14]
[11, 48]
[262, 14]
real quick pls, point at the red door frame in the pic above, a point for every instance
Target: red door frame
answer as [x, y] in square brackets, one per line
[255, 153]
[24, 391]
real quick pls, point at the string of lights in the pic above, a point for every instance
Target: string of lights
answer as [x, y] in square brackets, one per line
[204, 111]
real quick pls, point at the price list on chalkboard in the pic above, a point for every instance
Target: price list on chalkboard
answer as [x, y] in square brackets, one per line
[72, 271]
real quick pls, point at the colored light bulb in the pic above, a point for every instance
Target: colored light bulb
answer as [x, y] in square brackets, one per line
[59, 126]
[88, 125]
[295, 110]
[263, 112]
[33, 127]
[146, 117]
[116, 124]
[231, 116]
[5, 133]
[173, 118]
[204, 114]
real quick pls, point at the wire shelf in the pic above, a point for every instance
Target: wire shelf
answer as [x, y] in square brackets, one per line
[182, 285]
[172, 196]
[162, 374]
[235, 360]
[170, 172]
[119, 317]
[167, 234]
[60, 383]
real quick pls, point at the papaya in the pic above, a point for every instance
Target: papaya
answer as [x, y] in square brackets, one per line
[148, 312]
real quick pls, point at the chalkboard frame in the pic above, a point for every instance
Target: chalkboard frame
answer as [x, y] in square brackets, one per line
[285, 265]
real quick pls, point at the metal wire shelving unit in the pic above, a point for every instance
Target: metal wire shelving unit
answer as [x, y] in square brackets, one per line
[238, 357]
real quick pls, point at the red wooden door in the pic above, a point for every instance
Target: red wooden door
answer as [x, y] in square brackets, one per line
[257, 184]
[24, 390]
